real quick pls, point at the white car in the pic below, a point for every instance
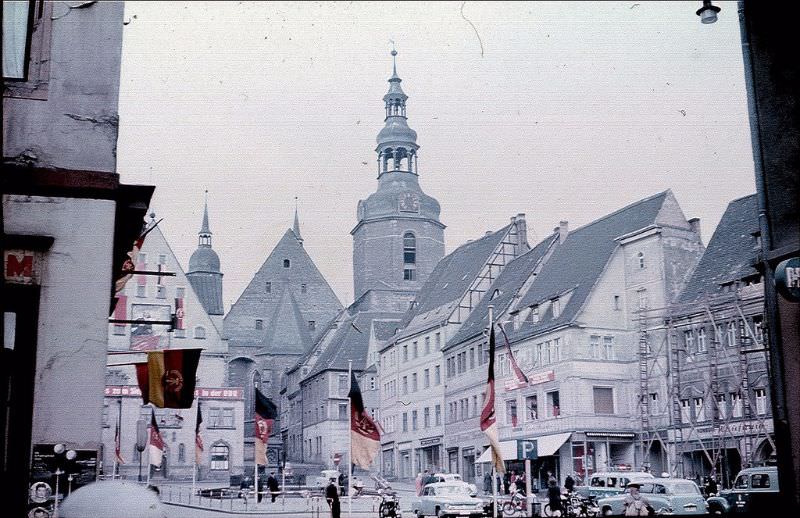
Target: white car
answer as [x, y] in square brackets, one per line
[447, 500]
[453, 478]
[326, 476]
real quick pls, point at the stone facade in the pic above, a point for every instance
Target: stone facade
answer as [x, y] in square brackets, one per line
[67, 223]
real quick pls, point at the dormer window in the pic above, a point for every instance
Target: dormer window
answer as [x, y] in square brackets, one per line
[556, 308]
[287, 263]
[259, 324]
[535, 314]
[200, 332]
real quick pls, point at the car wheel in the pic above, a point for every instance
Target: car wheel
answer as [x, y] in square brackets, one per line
[716, 510]
[419, 514]
[607, 512]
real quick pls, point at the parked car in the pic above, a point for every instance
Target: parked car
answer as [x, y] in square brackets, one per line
[610, 483]
[754, 491]
[666, 496]
[447, 500]
[326, 475]
[453, 478]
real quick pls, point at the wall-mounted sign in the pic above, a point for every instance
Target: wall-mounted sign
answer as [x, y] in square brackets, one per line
[22, 266]
[787, 279]
[430, 441]
[527, 449]
[205, 393]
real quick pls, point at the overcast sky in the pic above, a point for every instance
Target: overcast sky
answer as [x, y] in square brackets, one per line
[558, 110]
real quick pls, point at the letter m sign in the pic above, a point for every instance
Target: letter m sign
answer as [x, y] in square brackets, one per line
[20, 266]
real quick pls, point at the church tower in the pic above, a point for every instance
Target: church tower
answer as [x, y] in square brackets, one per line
[398, 239]
[204, 272]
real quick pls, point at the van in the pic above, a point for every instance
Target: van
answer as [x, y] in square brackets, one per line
[609, 483]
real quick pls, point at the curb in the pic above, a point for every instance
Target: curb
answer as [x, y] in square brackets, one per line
[261, 512]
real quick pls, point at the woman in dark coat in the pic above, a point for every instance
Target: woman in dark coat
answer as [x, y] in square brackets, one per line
[332, 496]
[554, 495]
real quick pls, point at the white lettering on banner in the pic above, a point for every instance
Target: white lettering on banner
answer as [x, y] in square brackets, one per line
[533, 379]
[209, 393]
[736, 428]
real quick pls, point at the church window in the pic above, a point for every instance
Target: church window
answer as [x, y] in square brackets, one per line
[259, 324]
[268, 287]
[409, 248]
[409, 274]
[303, 288]
[200, 332]
[640, 259]
[312, 325]
[286, 263]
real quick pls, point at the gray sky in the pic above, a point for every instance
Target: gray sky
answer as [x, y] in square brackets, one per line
[558, 110]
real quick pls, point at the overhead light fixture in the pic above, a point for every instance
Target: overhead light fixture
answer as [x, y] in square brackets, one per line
[708, 13]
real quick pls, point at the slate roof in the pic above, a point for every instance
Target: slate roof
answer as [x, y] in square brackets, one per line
[578, 262]
[208, 288]
[508, 284]
[452, 276]
[729, 254]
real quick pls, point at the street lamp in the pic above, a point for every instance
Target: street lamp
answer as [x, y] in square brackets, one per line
[141, 441]
[61, 453]
[708, 13]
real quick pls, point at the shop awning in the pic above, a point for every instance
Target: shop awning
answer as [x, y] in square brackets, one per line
[547, 445]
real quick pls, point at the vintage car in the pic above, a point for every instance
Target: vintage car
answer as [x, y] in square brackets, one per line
[665, 496]
[610, 483]
[453, 478]
[755, 491]
[447, 500]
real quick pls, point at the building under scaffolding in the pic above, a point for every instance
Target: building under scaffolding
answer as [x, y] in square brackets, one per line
[703, 366]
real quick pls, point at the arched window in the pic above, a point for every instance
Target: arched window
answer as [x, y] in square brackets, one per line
[409, 256]
[200, 332]
[181, 453]
[286, 263]
[640, 258]
[219, 456]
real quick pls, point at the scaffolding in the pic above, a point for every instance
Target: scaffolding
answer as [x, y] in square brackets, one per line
[670, 366]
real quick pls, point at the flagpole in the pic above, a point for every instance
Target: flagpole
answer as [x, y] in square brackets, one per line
[350, 442]
[494, 468]
[117, 467]
[194, 457]
[255, 459]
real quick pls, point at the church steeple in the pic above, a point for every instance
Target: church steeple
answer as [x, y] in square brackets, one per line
[397, 143]
[296, 225]
[204, 236]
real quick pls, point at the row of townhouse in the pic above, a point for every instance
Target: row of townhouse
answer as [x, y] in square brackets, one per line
[571, 307]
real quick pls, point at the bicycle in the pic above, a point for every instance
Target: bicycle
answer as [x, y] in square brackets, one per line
[517, 506]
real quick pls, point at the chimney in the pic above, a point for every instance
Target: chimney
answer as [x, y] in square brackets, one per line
[563, 231]
[488, 233]
[522, 229]
[695, 224]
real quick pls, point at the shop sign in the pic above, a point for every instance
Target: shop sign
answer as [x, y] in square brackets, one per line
[787, 279]
[430, 441]
[21, 266]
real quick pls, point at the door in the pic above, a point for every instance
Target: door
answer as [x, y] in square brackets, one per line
[20, 321]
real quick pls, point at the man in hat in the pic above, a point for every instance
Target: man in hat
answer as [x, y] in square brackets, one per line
[635, 504]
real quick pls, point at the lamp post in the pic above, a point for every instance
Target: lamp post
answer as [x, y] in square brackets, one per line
[62, 453]
[708, 13]
[141, 441]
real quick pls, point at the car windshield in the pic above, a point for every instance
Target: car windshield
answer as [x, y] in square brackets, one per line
[452, 491]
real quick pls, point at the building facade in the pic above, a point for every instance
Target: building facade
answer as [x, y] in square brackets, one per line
[571, 321]
[155, 298]
[412, 368]
[68, 223]
[707, 408]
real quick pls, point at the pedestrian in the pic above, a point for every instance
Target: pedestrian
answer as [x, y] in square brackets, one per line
[418, 484]
[272, 485]
[554, 497]
[569, 483]
[506, 482]
[551, 479]
[428, 478]
[340, 480]
[332, 496]
[635, 504]
[487, 483]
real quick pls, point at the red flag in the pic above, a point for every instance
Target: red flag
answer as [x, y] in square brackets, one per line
[128, 266]
[266, 413]
[117, 447]
[522, 379]
[365, 437]
[156, 442]
[198, 441]
[488, 419]
[168, 378]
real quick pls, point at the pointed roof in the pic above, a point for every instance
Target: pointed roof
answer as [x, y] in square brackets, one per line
[730, 253]
[507, 286]
[450, 280]
[204, 229]
[296, 225]
[286, 293]
[578, 262]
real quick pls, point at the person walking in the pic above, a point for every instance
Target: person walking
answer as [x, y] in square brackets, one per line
[635, 504]
[332, 496]
[487, 483]
[272, 486]
[506, 482]
[554, 497]
[418, 484]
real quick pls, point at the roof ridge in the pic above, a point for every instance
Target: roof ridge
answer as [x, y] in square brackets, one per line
[623, 209]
